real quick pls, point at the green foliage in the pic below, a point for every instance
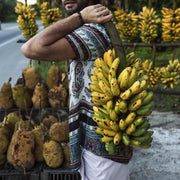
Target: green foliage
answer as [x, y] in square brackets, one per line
[7, 9]
[44, 66]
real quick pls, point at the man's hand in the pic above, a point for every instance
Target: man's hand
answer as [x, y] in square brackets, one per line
[96, 14]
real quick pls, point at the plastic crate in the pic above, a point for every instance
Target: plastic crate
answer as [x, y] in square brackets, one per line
[9, 173]
[63, 173]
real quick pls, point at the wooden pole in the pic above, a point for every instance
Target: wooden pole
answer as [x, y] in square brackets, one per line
[154, 55]
[116, 42]
[149, 4]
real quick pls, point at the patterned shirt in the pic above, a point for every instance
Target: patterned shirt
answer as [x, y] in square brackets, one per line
[89, 42]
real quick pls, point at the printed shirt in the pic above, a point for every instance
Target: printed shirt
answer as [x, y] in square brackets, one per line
[89, 42]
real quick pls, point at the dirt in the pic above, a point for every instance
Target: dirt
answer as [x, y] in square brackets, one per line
[162, 159]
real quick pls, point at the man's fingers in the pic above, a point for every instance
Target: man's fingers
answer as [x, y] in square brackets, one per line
[106, 18]
[104, 12]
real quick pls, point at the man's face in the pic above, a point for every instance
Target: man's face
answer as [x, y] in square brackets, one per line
[72, 6]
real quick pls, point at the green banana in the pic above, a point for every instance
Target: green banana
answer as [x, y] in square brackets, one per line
[144, 138]
[148, 98]
[125, 139]
[143, 110]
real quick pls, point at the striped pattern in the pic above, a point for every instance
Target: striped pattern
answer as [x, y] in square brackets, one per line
[89, 42]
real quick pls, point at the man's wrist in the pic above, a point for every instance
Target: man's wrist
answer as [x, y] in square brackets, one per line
[80, 18]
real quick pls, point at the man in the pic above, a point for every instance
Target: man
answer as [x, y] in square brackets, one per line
[82, 38]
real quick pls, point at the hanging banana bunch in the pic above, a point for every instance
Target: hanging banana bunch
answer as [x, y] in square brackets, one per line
[148, 24]
[127, 24]
[49, 16]
[27, 20]
[171, 74]
[153, 73]
[121, 104]
[170, 24]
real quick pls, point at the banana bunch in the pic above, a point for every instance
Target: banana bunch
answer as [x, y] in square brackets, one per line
[121, 104]
[49, 16]
[27, 20]
[127, 24]
[170, 75]
[148, 24]
[153, 73]
[170, 24]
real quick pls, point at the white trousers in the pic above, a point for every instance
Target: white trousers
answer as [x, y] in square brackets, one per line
[94, 167]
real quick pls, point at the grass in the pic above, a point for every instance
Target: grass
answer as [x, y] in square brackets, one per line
[43, 67]
[163, 54]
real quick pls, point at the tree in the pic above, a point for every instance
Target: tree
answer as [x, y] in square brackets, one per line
[7, 9]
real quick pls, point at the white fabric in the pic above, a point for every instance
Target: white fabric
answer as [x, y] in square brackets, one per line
[94, 167]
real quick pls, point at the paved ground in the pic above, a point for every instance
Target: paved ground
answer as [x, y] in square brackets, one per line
[162, 160]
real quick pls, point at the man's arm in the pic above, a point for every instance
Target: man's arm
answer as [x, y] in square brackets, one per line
[50, 44]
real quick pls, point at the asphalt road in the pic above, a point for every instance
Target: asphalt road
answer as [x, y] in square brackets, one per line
[11, 58]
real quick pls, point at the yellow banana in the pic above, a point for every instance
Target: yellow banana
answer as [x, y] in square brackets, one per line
[126, 94]
[130, 58]
[105, 88]
[117, 138]
[135, 105]
[138, 121]
[115, 87]
[95, 70]
[106, 139]
[130, 118]
[101, 96]
[110, 57]
[99, 62]
[143, 85]
[130, 129]
[101, 76]
[140, 95]
[94, 87]
[124, 80]
[103, 125]
[114, 126]
[110, 104]
[123, 106]
[134, 143]
[105, 57]
[113, 69]
[99, 130]
[100, 109]
[116, 107]
[114, 53]
[96, 118]
[94, 79]
[122, 125]
[121, 75]
[113, 115]
[97, 102]
[138, 64]
[108, 132]
[135, 88]
[132, 76]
